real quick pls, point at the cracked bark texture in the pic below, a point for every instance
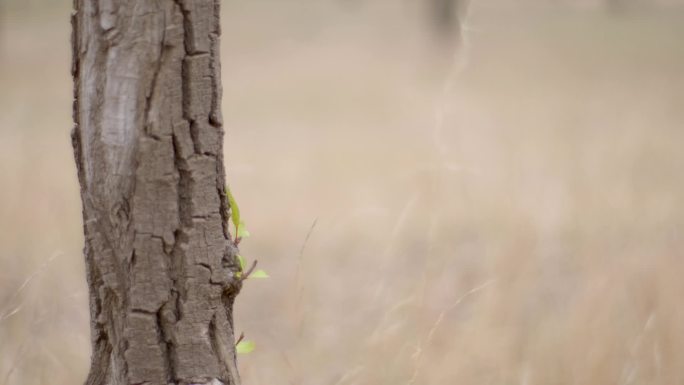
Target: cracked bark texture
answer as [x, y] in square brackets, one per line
[148, 143]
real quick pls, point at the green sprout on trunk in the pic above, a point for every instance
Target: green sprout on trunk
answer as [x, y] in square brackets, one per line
[241, 232]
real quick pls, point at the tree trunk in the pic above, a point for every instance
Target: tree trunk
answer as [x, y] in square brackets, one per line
[148, 143]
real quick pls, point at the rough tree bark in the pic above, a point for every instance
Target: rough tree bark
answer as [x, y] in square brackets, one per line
[148, 143]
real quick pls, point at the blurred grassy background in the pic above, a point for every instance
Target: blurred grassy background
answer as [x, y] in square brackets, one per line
[511, 217]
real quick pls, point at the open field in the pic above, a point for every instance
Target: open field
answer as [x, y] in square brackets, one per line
[513, 216]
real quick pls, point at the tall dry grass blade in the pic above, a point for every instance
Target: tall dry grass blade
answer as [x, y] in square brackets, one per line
[420, 349]
[8, 313]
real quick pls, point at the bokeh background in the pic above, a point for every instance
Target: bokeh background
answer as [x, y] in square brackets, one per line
[500, 206]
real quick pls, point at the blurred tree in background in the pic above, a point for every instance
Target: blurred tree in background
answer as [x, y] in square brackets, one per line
[445, 18]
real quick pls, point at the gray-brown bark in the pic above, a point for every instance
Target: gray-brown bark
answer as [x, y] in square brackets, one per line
[148, 146]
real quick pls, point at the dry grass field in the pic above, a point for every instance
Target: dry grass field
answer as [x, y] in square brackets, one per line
[513, 216]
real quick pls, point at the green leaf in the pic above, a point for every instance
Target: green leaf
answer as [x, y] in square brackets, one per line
[241, 262]
[259, 274]
[242, 231]
[245, 347]
[234, 209]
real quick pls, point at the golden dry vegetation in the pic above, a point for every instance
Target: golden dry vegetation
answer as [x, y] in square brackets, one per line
[513, 216]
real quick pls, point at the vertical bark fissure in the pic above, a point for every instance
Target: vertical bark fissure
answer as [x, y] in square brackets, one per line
[155, 77]
[148, 146]
[165, 345]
